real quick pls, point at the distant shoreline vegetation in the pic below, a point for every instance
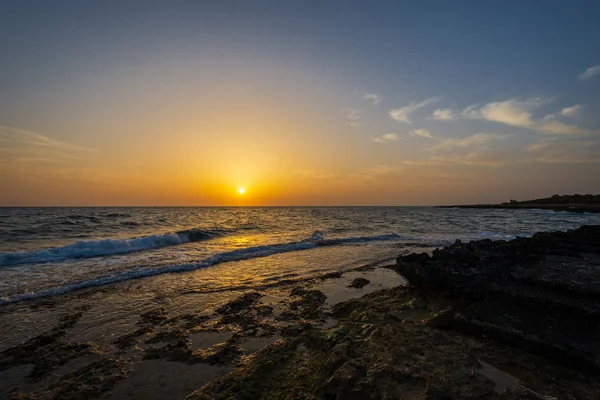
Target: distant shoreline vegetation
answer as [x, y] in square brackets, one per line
[566, 202]
[562, 199]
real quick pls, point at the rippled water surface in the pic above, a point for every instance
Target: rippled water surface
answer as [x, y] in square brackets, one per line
[49, 251]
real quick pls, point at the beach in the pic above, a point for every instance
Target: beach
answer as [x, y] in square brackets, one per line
[341, 319]
[335, 200]
[161, 350]
[465, 329]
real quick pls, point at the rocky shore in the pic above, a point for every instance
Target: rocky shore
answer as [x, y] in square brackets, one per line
[479, 320]
[486, 319]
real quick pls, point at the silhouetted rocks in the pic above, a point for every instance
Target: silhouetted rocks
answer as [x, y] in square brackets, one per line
[572, 203]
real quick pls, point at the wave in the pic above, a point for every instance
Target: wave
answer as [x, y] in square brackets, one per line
[118, 215]
[358, 239]
[104, 247]
[441, 241]
[314, 241]
[130, 223]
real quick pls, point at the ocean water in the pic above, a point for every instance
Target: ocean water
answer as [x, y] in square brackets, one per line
[51, 251]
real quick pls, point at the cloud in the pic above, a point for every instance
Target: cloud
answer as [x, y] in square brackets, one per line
[444, 114]
[518, 113]
[24, 138]
[567, 112]
[551, 150]
[352, 115]
[27, 152]
[589, 73]
[512, 112]
[571, 112]
[481, 157]
[486, 157]
[402, 114]
[376, 172]
[469, 141]
[313, 174]
[386, 138]
[374, 98]
[393, 137]
[424, 133]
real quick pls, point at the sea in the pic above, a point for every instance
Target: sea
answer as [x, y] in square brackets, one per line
[49, 252]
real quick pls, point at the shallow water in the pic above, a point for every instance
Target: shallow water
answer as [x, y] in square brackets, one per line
[176, 290]
[50, 251]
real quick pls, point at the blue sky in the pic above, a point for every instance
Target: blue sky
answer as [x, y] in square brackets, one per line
[391, 102]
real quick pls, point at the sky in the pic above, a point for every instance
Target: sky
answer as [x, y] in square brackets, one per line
[182, 103]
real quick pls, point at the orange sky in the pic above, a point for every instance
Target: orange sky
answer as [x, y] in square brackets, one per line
[183, 106]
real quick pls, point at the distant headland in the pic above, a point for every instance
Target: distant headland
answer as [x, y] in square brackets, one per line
[567, 202]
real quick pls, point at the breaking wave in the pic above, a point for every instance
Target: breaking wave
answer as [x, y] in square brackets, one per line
[104, 247]
[235, 255]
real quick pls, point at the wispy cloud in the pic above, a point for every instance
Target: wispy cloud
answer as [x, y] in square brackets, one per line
[394, 137]
[372, 97]
[485, 157]
[444, 114]
[376, 172]
[386, 138]
[21, 137]
[519, 113]
[402, 114]
[469, 141]
[34, 157]
[512, 112]
[424, 133]
[590, 73]
[307, 173]
[352, 115]
[571, 112]
[556, 151]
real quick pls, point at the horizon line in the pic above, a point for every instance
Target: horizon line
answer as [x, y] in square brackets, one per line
[210, 206]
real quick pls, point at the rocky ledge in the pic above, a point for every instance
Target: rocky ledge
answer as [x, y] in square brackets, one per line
[541, 294]
[486, 319]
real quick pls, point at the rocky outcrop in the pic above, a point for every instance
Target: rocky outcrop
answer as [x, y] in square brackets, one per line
[482, 320]
[541, 293]
[359, 283]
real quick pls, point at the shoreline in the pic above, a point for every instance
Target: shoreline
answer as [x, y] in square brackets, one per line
[474, 322]
[481, 320]
[577, 208]
[136, 354]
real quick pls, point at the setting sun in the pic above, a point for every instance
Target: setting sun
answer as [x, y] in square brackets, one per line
[241, 190]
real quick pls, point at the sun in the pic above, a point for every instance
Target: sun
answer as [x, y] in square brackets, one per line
[241, 190]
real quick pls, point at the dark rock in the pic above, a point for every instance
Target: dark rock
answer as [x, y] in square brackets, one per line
[153, 317]
[528, 307]
[331, 275]
[541, 294]
[305, 304]
[243, 302]
[359, 283]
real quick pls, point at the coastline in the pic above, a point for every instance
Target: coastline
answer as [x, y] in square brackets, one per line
[578, 208]
[482, 319]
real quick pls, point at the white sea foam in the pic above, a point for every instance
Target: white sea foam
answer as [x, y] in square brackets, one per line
[94, 248]
[234, 255]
